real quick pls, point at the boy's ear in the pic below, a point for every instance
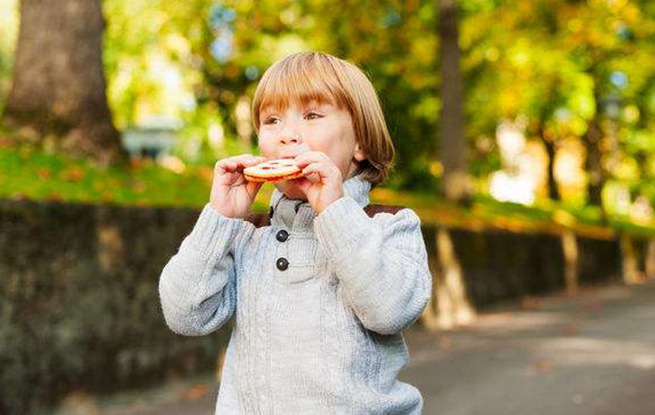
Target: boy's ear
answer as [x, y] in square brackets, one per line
[360, 154]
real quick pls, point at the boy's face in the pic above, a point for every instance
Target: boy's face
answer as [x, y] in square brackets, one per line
[313, 126]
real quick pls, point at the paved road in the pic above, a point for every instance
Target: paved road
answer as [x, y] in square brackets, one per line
[589, 354]
[592, 354]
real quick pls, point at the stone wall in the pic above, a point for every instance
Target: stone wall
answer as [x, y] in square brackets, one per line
[79, 307]
[497, 266]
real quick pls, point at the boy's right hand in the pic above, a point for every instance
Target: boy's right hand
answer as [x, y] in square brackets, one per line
[231, 194]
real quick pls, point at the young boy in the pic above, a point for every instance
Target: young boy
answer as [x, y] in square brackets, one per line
[321, 295]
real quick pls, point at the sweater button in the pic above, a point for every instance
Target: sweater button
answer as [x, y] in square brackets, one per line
[282, 264]
[282, 236]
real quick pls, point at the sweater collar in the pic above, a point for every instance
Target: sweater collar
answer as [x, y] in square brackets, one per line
[298, 214]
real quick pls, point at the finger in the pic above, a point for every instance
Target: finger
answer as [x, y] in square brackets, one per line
[310, 157]
[313, 177]
[247, 162]
[230, 162]
[224, 166]
[321, 171]
[238, 163]
[250, 160]
[226, 174]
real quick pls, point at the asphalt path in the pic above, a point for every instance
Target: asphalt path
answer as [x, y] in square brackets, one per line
[593, 353]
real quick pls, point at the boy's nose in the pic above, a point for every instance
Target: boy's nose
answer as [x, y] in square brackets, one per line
[290, 138]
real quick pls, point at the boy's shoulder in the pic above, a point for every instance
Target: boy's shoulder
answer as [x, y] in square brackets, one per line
[261, 220]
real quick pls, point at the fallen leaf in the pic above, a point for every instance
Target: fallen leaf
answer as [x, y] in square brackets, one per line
[74, 174]
[445, 343]
[195, 392]
[138, 186]
[543, 366]
[44, 173]
[53, 196]
[530, 303]
[571, 330]
[206, 173]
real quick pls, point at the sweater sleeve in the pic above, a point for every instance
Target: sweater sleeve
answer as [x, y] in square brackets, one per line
[382, 264]
[197, 287]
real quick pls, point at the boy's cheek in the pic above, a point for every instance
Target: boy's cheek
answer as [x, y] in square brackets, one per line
[266, 149]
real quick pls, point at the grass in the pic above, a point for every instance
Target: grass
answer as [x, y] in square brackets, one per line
[485, 213]
[26, 173]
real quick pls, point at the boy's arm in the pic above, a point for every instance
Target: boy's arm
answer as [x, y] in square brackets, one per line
[382, 265]
[197, 287]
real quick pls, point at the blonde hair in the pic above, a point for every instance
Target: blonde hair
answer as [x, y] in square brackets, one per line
[315, 76]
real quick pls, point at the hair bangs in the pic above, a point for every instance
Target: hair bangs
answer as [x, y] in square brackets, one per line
[298, 82]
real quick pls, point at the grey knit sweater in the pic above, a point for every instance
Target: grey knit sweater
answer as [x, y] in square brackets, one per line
[319, 302]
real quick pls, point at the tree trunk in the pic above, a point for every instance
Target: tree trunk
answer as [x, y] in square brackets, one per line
[551, 151]
[593, 163]
[455, 181]
[58, 81]
[553, 191]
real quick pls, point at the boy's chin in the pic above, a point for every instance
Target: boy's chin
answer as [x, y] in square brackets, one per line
[290, 190]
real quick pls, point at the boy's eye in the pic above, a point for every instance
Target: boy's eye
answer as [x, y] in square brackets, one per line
[313, 115]
[270, 120]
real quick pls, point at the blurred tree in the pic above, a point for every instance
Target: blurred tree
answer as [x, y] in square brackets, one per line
[58, 82]
[563, 65]
[633, 77]
[607, 34]
[9, 25]
[244, 40]
[154, 62]
[453, 146]
[549, 141]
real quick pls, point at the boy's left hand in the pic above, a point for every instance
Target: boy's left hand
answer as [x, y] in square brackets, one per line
[323, 181]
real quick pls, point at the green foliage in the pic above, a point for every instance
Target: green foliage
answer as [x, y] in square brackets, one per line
[8, 25]
[30, 174]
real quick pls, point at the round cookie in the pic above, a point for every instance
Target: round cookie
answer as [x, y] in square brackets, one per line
[273, 171]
